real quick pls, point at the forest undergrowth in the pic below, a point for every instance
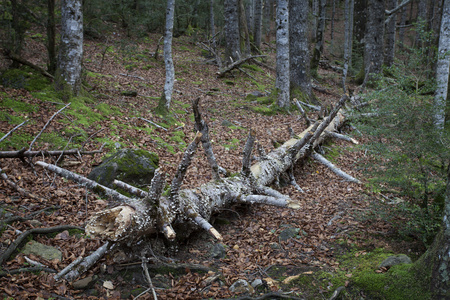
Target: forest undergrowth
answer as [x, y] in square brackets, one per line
[342, 232]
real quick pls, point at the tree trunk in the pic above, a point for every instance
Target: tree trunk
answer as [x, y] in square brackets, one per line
[359, 28]
[212, 25]
[373, 50]
[299, 62]
[333, 15]
[183, 209]
[318, 49]
[442, 69]
[258, 24]
[164, 102]
[282, 80]
[389, 51]
[421, 22]
[68, 74]
[231, 31]
[348, 39]
[51, 37]
[401, 30]
[244, 28]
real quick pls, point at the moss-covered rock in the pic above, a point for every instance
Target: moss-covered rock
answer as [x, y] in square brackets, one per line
[133, 166]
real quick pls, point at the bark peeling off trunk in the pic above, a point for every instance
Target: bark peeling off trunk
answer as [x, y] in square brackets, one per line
[189, 209]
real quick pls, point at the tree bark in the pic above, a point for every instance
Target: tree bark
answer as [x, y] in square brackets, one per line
[442, 69]
[258, 24]
[318, 49]
[373, 50]
[282, 80]
[186, 208]
[51, 37]
[68, 74]
[299, 61]
[164, 102]
[389, 50]
[348, 39]
[231, 31]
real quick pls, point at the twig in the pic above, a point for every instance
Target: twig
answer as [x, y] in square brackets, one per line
[202, 127]
[147, 275]
[24, 235]
[46, 124]
[154, 124]
[22, 153]
[12, 130]
[19, 189]
[68, 268]
[134, 76]
[87, 262]
[247, 153]
[333, 168]
[31, 269]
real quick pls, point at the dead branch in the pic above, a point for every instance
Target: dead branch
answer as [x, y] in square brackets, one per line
[20, 190]
[341, 137]
[87, 262]
[5, 256]
[202, 127]
[12, 130]
[333, 168]
[247, 153]
[31, 269]
[22, 61]
[46, 124]
[153, 123]
[68, 268]
[268, 296]
[27, 153]
[236, 64]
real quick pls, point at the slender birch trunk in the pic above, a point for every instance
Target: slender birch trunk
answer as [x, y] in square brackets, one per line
[70, 56]
[442, 69]
[164, 102]
[282, 80]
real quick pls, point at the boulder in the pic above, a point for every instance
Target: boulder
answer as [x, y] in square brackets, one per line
[395, 260]
[133, 166]
[41, 250]
[241, 286]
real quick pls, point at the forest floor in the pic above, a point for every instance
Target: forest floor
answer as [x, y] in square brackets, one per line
[336, 219]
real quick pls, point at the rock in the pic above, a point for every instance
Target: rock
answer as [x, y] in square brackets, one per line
[41, 250]
[133, 166]
[84, 283]
[218, 251]
[35, 223]
[395, 260]
[257, 94]
[227, 123]
[241, 286]
[257, 282]
[288, 233]
[275, 246]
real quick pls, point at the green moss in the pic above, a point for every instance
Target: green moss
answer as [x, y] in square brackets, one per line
[252, 67]
[15, 141]
[107, 109]
[17, 105]
[25, 78]
[268, 111]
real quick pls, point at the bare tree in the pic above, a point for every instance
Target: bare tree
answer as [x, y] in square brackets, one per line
[299, 61]
[282, 81]
[68, 73]
[164, 101]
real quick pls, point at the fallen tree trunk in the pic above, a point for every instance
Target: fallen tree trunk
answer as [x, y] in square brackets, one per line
[182, 211]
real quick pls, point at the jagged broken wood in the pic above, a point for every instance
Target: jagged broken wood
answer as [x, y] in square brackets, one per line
[180, 209]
